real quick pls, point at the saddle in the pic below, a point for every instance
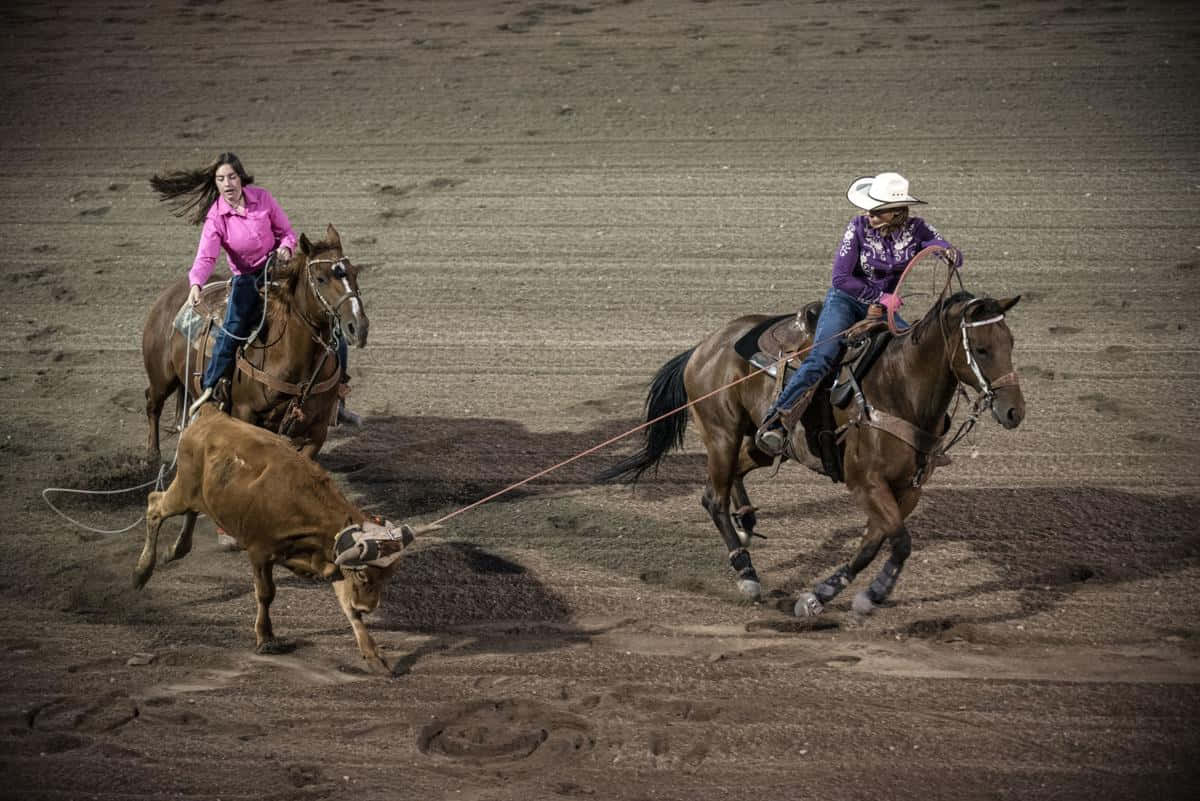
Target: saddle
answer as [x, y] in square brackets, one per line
[769, 341]
[196, 323]
[193, 321]
[766, 345]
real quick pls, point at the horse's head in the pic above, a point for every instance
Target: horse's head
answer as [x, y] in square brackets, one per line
[981, 355]
[332, 280]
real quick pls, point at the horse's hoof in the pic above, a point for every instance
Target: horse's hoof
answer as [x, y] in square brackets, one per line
[807, 605]
[750, 588]
[863, 604]
[275, 646]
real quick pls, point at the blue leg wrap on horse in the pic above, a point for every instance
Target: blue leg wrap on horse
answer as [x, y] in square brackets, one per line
[830, 587]
[882, 586]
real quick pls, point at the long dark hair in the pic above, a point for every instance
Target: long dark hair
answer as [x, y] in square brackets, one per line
[194, 191]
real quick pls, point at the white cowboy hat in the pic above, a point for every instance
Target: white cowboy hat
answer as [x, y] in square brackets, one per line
[888, 190]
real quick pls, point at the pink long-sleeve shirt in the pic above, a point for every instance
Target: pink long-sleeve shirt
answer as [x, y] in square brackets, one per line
[247, 240]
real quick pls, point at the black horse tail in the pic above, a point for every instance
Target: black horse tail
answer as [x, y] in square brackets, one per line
[666, 394]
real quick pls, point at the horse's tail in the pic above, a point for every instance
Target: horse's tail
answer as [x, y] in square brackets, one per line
[666, 394]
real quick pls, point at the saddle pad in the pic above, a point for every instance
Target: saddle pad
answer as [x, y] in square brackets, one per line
[747, 346]
[763, 345]
[190, 320]
[189, 323]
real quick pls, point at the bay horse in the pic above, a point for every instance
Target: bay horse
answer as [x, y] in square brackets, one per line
[287, 383]
[886, 449]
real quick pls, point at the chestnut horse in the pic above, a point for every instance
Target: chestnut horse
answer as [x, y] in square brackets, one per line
[887, 447]
[287, 383]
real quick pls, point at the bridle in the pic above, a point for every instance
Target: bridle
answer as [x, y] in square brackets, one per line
[338, 269]
[986, 398]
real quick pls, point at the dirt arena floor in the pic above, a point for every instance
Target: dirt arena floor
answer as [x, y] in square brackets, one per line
[547, 201]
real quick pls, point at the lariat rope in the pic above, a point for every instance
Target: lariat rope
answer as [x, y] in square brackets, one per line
[634, 430]
[664, 416]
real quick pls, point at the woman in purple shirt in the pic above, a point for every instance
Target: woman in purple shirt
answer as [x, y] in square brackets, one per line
[249, 225]
[875, 249]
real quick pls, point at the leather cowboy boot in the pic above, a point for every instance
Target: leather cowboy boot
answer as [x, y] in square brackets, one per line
[772, 436]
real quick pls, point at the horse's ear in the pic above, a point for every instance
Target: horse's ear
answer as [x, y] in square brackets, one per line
[331, 236]
[1007, 303]
[305, 246]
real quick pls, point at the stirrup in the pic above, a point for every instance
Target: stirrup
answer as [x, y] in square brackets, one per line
[771, 441]
[204, 398]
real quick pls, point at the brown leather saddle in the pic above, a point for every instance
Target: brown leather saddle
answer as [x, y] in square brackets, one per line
[193, 321]
[770, 341]
[788, 337]
[198, 323]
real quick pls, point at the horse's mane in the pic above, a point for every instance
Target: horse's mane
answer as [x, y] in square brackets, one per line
[288, 274]
[933, 318]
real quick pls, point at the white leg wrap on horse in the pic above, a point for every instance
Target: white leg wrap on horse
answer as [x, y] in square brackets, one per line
[807, 605]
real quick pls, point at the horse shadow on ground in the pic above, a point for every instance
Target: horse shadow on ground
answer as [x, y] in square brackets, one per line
[1043, 543]
[411, 466]
[1027, 539]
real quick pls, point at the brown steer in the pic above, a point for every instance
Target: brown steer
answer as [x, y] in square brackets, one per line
[282, 508]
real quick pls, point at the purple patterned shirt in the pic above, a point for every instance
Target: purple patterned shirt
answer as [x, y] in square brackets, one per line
[246, 240]
[868, 263]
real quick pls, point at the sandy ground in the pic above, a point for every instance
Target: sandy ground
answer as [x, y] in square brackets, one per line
[548, 200]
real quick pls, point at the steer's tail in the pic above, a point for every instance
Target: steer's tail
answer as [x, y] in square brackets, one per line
[666, 394]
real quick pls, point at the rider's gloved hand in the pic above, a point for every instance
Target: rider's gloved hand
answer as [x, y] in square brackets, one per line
[284, 253]
[194, 295]
[874, 311]
[953, 257]
[890, 302]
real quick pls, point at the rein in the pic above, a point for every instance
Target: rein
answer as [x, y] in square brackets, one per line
[918, 439]
[302, 391]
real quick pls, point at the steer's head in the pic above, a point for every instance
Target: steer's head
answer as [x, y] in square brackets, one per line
[368, 555]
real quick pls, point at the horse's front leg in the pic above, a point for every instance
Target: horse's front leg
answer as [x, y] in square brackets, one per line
[883, 521]
[900, 543]
[722, 460]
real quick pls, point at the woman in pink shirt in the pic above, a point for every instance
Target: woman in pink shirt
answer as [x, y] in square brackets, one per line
[245, 222]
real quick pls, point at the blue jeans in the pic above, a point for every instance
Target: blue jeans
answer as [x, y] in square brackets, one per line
[343, 350]
[839, 313]
[242, 314]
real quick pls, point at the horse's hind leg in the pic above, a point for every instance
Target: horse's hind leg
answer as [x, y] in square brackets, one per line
[722, 461]
[156, 397]
[743, 512]
[884, 521]
[900, 543]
